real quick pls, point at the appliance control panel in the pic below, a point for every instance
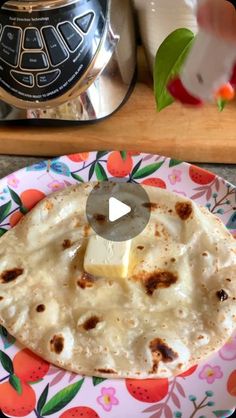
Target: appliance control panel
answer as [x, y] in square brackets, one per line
[44, 53]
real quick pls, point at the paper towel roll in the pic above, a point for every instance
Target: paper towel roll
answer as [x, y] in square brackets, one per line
[158, 18]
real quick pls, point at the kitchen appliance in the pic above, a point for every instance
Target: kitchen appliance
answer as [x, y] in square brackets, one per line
[65, 59]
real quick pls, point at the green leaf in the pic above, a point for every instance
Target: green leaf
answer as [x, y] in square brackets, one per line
[170, 57]
[6, 362]
[24, 210]
[123, 155]
[173, 163]
[2, 231]
[98, 380]
[77, 178]
[42, 399]
[4, 210]
[91, 171]
[101, 154]
[100, 172]
[15, 197]
[62, 398]
[221, 103]
[3, 331]
[136, 167]
[15, 383]
[35, 383]
[222, 413]
[8, 340]
[231, 224]
[147, 170]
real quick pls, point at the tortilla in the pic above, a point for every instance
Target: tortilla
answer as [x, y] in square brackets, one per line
[177, 306]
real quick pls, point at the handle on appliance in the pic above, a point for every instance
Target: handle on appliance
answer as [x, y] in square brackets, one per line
[208, 67]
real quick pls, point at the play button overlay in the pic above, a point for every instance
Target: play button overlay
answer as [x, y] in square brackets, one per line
[118, 211]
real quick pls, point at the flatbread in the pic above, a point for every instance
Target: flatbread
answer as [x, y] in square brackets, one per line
[177, 306]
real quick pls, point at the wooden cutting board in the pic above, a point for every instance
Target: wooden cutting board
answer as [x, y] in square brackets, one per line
[202, 135]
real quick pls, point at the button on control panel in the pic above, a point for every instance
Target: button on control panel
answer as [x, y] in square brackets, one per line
[56, 48]
[71, 36]
[34, 61]
[23, 78]
[44, 79]
[43, 54]
[84, 22]
[32, 39]
[10, 45]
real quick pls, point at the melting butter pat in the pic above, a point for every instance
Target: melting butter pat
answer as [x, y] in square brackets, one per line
[107, 258]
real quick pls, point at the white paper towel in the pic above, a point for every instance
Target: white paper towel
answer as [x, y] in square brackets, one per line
[158, 18]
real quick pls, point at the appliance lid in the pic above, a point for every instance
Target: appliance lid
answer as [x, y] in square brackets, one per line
[34, 5]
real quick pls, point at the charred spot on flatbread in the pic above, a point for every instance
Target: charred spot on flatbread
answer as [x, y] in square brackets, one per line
[161, 352]
[40, 308]
[106, 371]
[10, 275]
[1, 298]
[57, 344]
[150, 205]
[158, 280]
[48, 205]
[222, 295]
[91, 323]
[157, 231]
[184, 210]
[66, 244]
[99, 217]
[85, 281]
[86, 230]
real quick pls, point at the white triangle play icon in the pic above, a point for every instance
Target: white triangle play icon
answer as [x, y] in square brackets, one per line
[117, 209]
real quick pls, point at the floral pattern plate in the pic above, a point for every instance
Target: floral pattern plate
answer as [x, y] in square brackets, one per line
[31, 387]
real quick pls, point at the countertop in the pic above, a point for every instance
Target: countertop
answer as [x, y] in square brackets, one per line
[8, 164]
[202, 135]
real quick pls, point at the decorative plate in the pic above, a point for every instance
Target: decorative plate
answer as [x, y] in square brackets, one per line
[30, 387]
